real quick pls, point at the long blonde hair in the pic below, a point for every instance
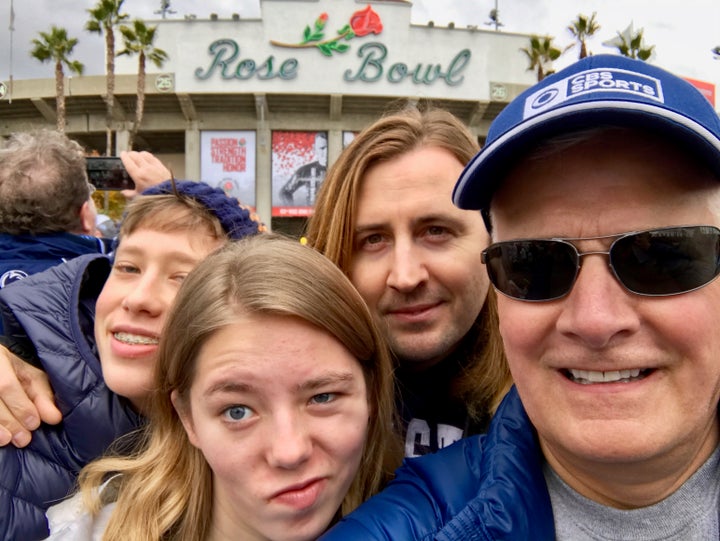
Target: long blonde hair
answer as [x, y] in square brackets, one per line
[165, 490]
[331, 230]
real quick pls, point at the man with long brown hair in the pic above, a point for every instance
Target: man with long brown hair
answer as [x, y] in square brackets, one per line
[384, 215]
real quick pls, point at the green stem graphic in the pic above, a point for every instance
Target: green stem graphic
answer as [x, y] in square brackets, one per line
[305, 45]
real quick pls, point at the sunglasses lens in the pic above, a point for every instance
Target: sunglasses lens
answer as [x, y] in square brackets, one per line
[667, 261]
[532, 270]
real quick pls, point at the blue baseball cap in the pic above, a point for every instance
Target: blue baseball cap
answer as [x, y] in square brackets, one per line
[602, 90]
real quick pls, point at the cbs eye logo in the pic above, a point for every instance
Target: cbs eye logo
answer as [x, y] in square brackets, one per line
[545, 98]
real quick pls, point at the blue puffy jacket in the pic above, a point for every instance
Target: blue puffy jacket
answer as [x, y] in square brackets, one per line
[55, 311]
[486, 487]
[23, 255]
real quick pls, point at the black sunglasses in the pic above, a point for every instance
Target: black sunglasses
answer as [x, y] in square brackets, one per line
[656, 262]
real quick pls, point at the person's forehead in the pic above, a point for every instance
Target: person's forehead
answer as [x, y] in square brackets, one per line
[181, 244]
[419, 182]
[238, 349]
[639, 180]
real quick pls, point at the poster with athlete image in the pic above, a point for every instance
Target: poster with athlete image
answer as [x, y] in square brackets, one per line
[299, 164]
[227, 161]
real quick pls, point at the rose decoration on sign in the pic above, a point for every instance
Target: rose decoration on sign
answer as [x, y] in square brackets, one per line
[363, 22]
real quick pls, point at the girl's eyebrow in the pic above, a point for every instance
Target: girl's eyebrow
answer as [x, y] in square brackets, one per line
[326, 379]
[229, 386]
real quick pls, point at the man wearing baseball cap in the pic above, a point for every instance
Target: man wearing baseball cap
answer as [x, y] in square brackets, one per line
[599, 186]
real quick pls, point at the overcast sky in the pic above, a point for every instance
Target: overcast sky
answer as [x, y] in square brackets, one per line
[684, 32]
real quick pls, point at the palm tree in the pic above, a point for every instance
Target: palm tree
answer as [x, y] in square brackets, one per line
[140, 40]
[103, 17]
[540, 53]
[582, 28]
[57, 46]
[631, 44]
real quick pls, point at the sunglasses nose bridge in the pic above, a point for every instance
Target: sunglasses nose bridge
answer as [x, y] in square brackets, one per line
[606, 253]
[592, 252]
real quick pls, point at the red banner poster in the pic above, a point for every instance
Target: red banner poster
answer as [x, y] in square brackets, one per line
[299, 164]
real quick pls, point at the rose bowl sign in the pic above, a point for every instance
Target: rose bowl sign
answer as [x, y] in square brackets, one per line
[374, 60]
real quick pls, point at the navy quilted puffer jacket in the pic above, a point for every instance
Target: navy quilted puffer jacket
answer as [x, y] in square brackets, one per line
[52, 312]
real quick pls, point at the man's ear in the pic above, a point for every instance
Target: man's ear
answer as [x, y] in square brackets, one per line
[183, 411]
[88, 218]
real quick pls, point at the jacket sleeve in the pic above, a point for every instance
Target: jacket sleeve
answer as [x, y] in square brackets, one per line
[30, 481]
[426, 492]
[481, 488]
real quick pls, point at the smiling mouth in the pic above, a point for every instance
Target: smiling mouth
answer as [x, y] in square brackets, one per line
[588, 377]
[135, 339]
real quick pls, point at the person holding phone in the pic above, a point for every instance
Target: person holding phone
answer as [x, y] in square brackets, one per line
[131, 172]
[46, 211]
[47, 214]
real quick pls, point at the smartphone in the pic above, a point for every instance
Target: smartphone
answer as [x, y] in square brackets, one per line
[108, 173]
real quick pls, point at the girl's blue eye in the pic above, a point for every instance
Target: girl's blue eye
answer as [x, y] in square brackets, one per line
[238, 413]
[323, 398]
